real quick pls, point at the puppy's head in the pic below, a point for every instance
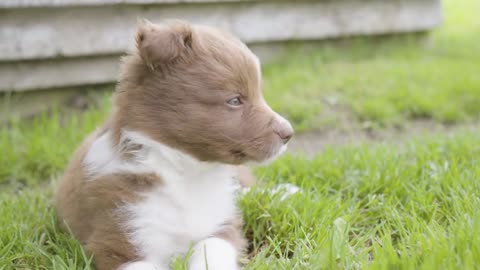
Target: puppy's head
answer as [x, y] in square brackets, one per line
[199, 90]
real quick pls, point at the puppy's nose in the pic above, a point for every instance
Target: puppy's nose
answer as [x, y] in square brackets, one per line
[285, 131]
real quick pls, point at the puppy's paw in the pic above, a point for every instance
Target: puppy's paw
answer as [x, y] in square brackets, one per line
[214, 254]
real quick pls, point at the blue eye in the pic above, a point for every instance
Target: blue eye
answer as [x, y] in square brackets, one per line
[236, 101]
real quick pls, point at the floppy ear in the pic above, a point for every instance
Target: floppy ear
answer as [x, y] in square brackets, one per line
[161, 44]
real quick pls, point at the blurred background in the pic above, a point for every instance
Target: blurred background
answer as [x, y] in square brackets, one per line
[384, 93]
[341, 71]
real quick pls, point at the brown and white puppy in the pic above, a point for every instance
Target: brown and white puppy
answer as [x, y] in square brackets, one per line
[158, 176]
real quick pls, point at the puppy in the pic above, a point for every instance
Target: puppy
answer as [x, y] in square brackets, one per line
[157, 178]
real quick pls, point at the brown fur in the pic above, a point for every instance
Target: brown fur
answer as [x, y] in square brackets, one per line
[208, 66]
[173, 88]
[88, 206]
[231, 231]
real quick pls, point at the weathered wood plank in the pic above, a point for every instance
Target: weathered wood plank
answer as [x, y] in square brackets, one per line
[83, 31]
[21, 76]
[64, 3]
[50, 46]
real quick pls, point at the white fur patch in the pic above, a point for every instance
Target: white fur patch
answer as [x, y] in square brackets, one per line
[101, 156]
[194, 200]
[174, 216]
[213, 254]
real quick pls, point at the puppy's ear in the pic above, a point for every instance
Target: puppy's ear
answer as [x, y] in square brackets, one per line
[161, 44]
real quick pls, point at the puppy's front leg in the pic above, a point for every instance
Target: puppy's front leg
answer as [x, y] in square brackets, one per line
[214, 254]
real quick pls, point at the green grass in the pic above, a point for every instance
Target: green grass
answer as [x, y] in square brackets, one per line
[369, 207]
[375, 84]
[29, 236]
[387, 81]
[37, 150]
[382, 207]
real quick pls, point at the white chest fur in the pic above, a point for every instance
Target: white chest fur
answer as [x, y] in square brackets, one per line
[178, 214]
[192, 203]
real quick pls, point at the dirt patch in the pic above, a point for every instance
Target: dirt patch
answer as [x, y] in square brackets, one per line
[312, 143]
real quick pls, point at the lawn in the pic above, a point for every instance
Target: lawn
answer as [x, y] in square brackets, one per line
[384, 82]
[413, 205]
[369, 207]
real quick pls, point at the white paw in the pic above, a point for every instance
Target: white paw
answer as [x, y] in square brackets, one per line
[213, 254]
[140, 265]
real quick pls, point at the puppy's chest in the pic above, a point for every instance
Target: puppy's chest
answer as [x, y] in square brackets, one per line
[187, 208]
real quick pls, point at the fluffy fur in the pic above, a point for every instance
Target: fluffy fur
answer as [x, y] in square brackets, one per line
[158, 176]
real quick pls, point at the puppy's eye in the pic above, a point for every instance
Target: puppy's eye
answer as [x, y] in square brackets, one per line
[236, 101]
